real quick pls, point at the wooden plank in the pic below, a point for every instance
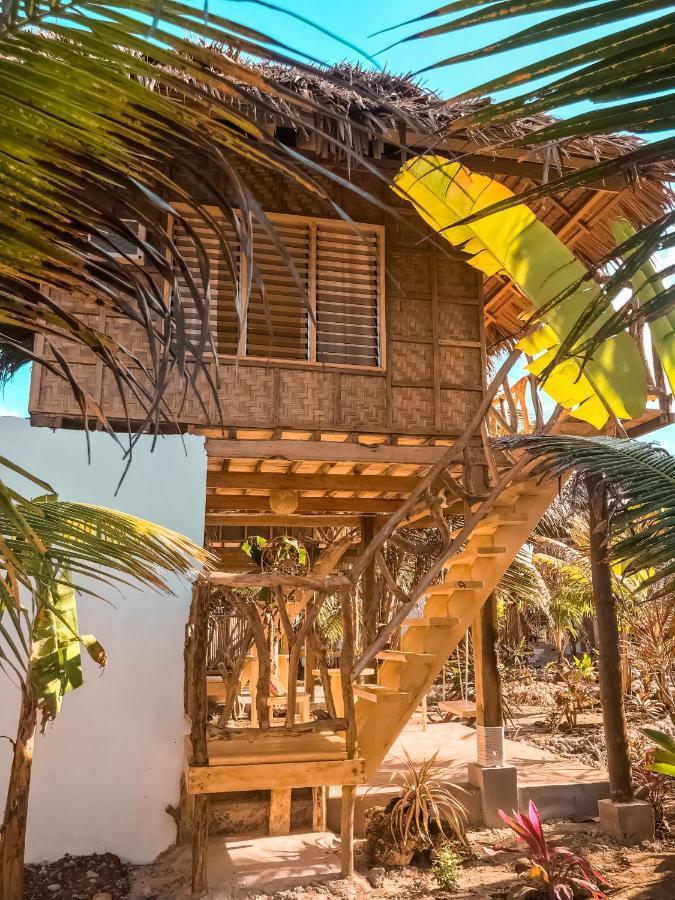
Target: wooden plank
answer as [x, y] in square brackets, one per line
[327, 451]
[305, 504]
[300, 482]
[252, 520]
[280, 811]
[221, 779]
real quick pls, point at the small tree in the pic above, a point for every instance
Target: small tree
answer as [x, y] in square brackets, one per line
[48, 547]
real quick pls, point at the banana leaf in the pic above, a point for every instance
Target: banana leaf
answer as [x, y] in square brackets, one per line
[56, 662]
[514, 242]
[647, 286]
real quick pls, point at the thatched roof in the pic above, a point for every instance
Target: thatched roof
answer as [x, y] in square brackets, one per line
[392, 111]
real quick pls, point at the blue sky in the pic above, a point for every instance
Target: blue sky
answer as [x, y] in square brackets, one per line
[355, 21]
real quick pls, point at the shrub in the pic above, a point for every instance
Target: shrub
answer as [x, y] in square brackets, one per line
[557, 872]
[446, 867]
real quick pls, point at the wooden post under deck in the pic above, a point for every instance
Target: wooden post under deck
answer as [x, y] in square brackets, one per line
[369, 602]
[347, 829]
[198, 710]
[489, 709]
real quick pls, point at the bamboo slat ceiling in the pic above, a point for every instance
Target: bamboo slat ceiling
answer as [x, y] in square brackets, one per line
[389, 111]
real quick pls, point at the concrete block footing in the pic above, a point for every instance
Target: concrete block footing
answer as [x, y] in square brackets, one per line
[499, 790]
[628, 823]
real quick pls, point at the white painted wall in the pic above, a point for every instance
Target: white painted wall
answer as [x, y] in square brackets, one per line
[106, 769]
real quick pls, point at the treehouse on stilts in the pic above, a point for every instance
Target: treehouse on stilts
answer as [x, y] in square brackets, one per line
[351, 425]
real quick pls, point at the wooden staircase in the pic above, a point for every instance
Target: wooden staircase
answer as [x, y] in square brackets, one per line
[449, 608]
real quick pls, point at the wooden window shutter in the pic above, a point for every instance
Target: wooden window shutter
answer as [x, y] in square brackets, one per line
[279, 328]
[340, 276]
[223, 317]
[349, 297]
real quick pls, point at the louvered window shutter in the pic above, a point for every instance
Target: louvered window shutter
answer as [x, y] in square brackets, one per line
[348, 293]
[277, 324]
[222, 316]
[339, 275]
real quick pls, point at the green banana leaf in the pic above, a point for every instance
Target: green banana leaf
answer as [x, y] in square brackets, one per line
[646, 286]
[516, 243]
[56, 663]
[663, 759]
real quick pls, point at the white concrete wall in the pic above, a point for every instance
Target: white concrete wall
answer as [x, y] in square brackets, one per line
[106, 769]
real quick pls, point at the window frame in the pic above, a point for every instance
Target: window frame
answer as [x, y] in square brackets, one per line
[314, 223]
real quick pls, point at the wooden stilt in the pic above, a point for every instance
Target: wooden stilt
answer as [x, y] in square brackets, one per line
[347, 829]
[280, 811]
[319, 808]
[369, 597]
[198, 709]
[489, 709]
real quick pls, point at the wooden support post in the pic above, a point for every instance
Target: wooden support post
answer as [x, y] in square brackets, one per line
[280, 811]
[347, 829]
[319, 808]
[489, 708]
[609, 658]
[369, 596]
[198, 709]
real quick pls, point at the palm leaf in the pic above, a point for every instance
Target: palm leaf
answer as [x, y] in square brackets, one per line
[105, 115]
[640, 478]
[515, 242]
[626, 74]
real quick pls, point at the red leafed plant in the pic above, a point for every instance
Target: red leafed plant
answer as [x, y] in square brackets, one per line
[556, 872]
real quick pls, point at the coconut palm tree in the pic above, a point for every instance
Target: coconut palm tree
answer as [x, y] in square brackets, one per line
[54, 551]
[625, 75]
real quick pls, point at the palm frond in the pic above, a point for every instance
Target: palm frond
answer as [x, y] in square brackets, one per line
[640, 478]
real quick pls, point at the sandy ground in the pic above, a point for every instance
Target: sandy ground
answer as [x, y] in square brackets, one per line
[644, 873]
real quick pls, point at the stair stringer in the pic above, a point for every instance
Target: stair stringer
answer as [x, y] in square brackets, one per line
[380, 723]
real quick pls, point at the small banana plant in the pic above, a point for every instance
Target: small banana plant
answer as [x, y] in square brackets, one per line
[663, 757]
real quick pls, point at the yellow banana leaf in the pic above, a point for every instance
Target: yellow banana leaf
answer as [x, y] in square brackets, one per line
[646, 286]
[516, 243]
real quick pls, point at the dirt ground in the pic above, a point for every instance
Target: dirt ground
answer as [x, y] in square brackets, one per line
[642, 873]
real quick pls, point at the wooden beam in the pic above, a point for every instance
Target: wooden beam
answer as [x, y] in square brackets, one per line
[305, 505]
[252, 520]
[347, 829]
[319, 808]
[274, 481]
[326, 451]
[222, 779]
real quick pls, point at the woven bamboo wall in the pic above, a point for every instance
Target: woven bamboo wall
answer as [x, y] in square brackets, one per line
[434, 371]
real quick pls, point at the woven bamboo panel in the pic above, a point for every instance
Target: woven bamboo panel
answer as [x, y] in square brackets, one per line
[457, 407]
[307, 398]
[409, 273]
[247, 394]
[459, 321]
[410, 318]
[455, 278]
[412, 409]
[460, 365]
[412, 363]
[362, 401]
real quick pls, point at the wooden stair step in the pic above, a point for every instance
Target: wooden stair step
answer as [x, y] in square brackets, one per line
[465, 709]
[450, 585]
[432, 622]
[481, 553]
[405, 656]
[501, 520]
[378, 692]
